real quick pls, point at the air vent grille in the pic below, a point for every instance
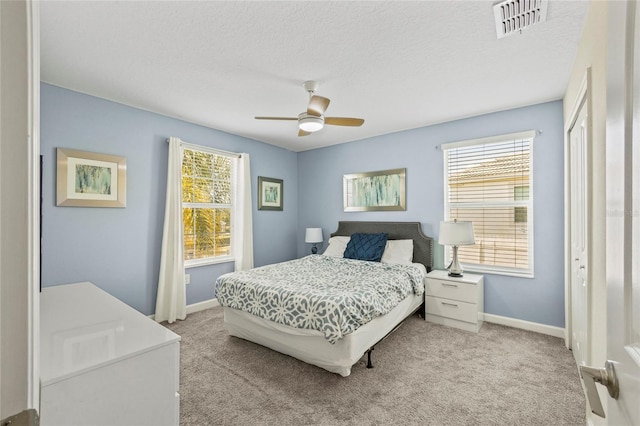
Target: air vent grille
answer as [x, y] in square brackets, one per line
[512, 16]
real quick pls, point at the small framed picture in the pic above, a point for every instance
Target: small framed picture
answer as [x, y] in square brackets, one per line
[89, 179]
[269, 193]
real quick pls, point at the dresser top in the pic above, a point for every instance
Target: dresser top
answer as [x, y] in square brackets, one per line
[83, 327]
[444, 275]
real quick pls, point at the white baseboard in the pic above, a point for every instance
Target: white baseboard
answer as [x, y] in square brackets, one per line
[496, 319]
[526, 325]
[196, 307]
[201, 306]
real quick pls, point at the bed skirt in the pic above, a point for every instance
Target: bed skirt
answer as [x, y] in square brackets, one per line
[310, 346]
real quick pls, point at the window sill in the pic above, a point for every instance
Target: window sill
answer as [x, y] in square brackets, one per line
[208, 261]
[481, 270]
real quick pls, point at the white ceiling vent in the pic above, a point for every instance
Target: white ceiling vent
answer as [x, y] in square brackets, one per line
[512, 16]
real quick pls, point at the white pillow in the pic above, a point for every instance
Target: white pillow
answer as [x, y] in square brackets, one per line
[398, 251]
[337, 246]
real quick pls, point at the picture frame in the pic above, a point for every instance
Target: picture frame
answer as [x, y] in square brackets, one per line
[89, 179]
[270, 193]
[383, 190]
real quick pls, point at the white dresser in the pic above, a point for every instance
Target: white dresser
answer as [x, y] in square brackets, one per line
[455, 302]
[103, 362]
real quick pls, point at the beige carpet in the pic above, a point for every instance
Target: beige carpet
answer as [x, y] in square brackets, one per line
[424, 374]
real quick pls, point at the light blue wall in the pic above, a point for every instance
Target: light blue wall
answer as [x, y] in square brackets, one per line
[540, 299]
[119, 249]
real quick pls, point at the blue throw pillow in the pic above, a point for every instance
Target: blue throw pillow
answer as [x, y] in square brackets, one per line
[366, 247]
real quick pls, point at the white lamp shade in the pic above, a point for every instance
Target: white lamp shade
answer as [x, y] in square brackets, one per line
[458, 233]
[313, 235]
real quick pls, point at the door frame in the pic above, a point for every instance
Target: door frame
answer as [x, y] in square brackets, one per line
[584, 96]
[33, 210]
[19, 336]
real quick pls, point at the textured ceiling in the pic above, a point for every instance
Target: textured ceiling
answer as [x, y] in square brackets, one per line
[399, 65]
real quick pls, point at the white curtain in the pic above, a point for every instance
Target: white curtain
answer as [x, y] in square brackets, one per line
[243, 241]
[171, 302]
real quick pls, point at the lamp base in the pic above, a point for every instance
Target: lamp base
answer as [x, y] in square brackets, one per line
[314, 249]
[454, 268]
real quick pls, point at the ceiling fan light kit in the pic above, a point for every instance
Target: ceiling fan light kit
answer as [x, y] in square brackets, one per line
[310, 123]
[313, 119]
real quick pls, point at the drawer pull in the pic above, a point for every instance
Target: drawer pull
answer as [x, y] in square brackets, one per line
[449, 285]
[450, 304]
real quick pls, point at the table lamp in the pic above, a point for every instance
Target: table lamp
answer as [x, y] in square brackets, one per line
[456, 234]
[313, 236]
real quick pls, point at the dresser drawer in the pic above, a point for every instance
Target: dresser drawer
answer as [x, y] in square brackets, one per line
[461, 311]
[452, 290]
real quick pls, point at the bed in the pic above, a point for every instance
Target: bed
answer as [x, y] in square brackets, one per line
[327, 347]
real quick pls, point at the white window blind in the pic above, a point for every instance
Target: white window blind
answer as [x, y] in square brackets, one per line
[206, 205]
[489, 182]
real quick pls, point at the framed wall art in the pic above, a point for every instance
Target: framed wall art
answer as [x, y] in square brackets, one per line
[89, 179]
[383, 190]
[270, 192]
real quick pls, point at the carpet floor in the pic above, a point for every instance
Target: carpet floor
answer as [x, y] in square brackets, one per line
[424, 374]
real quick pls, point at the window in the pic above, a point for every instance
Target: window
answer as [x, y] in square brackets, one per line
[206, 206]
[487, 182]
[520, 193]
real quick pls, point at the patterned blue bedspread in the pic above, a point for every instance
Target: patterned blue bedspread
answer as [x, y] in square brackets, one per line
[328, 294]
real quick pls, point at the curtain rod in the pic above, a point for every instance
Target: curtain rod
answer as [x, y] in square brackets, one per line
[208, 149]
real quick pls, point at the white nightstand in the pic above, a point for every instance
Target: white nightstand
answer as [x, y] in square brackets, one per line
[455, 302]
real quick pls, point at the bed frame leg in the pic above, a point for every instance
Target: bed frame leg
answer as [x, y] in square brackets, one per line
[419, 309]
[369, 364]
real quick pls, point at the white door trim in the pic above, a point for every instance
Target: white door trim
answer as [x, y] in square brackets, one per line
[584, 95]
[33, 40]
[19, 216]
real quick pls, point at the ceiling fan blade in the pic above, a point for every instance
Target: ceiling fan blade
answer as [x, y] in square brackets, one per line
[303, 133]
[317, 105]
[276, 118]
[343, 121]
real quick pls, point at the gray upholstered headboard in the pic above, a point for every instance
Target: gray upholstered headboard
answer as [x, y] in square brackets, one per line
[422, 245]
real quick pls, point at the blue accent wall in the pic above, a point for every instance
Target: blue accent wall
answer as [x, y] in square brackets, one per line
[118, 249]
[540, 299]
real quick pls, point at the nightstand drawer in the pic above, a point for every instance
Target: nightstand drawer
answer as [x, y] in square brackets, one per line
[461, 311]
[452, 290]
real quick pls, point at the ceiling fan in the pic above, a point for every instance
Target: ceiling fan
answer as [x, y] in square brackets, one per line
[313, 119]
